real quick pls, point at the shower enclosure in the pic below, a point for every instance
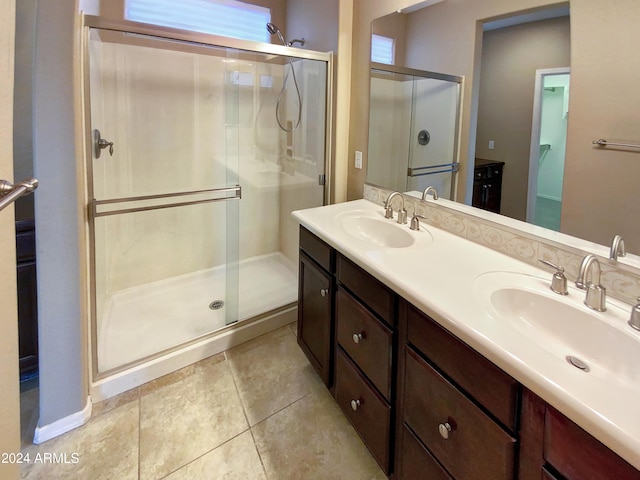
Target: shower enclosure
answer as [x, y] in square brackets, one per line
[413, 129]
[191, 183]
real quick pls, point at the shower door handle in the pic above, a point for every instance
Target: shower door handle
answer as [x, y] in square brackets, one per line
[100, 144]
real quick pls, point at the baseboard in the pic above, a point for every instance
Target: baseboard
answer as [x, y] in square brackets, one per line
[52, 430]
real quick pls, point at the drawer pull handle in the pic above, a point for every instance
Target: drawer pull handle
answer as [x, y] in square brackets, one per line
[444, 429]
[355, 404]
[324, 292]
[358, 337]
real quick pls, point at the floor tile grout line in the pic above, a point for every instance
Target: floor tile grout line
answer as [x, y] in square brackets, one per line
[248, 429]
[255, 446]
[139, 435]
[207, 452]
[235, 385]
[281, 409]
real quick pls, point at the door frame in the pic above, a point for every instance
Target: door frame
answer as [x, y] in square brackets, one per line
[536, 127]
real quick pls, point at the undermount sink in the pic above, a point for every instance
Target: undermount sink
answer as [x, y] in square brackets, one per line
[600, 342]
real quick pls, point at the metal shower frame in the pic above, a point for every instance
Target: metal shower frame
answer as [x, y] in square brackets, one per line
[198, 39]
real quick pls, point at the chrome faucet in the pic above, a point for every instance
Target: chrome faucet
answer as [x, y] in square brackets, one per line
[596, 293]
[433, 191]
[617, 248]
[388, 209]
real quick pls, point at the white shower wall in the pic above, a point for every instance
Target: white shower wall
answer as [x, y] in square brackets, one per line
[402, 106]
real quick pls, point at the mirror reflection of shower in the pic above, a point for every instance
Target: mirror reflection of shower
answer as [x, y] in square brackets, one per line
[274, 30]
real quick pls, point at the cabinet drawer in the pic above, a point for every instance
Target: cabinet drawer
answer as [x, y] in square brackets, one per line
[372, 415]
[476, 447]
[368, 289]
[480, 173]
[575, 454]
[321, 252]
[416, 460]
[478, 377]
[366, 339]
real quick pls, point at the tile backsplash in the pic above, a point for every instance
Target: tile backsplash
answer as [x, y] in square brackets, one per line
[621, 280]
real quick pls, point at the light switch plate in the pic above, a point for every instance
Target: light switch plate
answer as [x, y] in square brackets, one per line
[358, 159]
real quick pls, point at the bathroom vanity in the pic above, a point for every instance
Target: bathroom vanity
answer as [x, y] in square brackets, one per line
[433, 384]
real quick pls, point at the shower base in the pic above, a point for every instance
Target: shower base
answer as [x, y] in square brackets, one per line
[140, 322]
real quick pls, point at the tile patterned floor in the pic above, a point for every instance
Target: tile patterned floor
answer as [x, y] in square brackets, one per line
[257, 411]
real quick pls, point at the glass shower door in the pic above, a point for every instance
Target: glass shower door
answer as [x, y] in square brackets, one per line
[434, 128]
[413, 121]
[165, 193]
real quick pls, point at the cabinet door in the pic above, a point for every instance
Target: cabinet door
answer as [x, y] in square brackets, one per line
[493, 195]
[315, 296]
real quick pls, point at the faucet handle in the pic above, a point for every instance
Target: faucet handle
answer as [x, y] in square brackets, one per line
[388, 210]
[415, 221]
[559, 280]
[634, 319]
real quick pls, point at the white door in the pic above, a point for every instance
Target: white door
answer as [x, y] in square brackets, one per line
[9, 376]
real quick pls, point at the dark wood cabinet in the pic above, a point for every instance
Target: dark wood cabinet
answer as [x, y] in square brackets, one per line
[27, 297]
[460, 407]
[365, 338]
[467, 443]
[416, 461]
[366, 409]
[555, 447]
[487, 185]
[316, 287]
[426, 404]
[473, 374]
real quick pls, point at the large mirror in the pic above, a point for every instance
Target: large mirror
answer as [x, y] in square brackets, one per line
[509, 52]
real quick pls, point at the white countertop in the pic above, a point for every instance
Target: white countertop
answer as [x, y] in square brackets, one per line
[438, 275]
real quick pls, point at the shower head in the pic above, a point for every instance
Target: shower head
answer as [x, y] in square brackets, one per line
[274, 30]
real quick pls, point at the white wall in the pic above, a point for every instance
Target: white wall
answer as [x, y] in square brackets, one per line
[62, 329]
